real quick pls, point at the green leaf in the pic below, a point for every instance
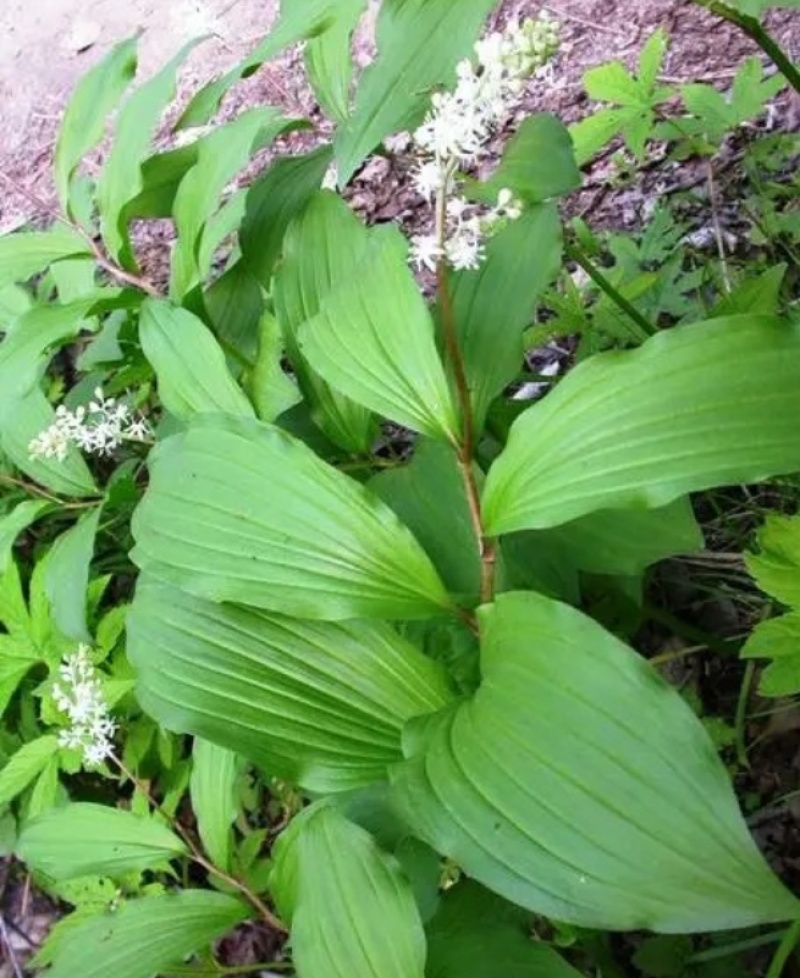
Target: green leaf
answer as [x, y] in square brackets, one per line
[67, 576]
[652, 58]
[777, 639]
[239, 511]
[321, 705]
[329, 64]
[298, 22]
[143, 937]
[94, 98]
[161, 176]
[234, 305]
[215, 777]
[272, 390]
[121, 179]
[428, 495]
[776, 567]
[612, 82]
[220, 156]
[27, 253]
[16, 661]
[352, 913]
[419, 43]
[272, 202]
[493, 305]
[24, 766]
[21, 421]
[538, 164]
[322, 249]
[591, 134]
[760, 294]
[15, 522]
[190, 366]
[664, 956]
[578, 784]
[694, 407]
[83, 839]
[26, 350]
[373, 341]
[476, 934]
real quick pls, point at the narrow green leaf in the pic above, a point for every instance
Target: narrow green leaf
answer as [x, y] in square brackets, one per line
[14, 522]
[493, 305]
[419, 44]
[329, 65]
[93, 100]
[26, 253]
[215, 776]
[190, 366]
[143, 937]
[321, 705]
[576, 783]
[323, 247]
[121, 179]
[220, 156]
[373, 341]
[239, 511]
[161, 176]
[234, 305]
[83, 839]
[272, 202]
[429, 497]
[24, 766]
[352, 913]
[22, 420]
[694, 407]
[298, 22]
[272, 390]
[476, 934]
[537, 165]
[67, 576]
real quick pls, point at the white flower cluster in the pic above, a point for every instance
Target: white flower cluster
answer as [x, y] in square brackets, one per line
[456, 131]
[80, 696]
[98, 429]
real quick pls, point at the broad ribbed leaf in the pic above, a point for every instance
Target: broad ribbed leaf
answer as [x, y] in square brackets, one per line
[83, 839]
[191, 369]
[93, 100]
[351, 911]
[429, 497]
[24, 766]
[694, 407]
[272, 202]
[23, 419]
[27, 253]
[142, 938]
[373, 341]
[67, 576]
[493, 304]
[576, 783]
[234, 305]
[476, 934]
[419, 43]
[323, 247]
[537, 165]
[121, 179]
[321, 705]
[239, 511]
[215, 777]
[220, 156]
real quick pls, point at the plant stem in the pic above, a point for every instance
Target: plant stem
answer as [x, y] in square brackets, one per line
[644, 329]
[741, 713]
[752, 27]
[114, 270]
[197, 856]
[784, 950]
[718, 235]
[726, 950]
[465, 450]
[44, 494]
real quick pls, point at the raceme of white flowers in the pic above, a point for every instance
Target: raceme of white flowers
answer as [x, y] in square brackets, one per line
[98, 429]
[455, 134]
[80, 696]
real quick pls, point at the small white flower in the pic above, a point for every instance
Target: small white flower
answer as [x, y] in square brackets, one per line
[425, 251]
[79, 695]
[429, 178]
[464, 249]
